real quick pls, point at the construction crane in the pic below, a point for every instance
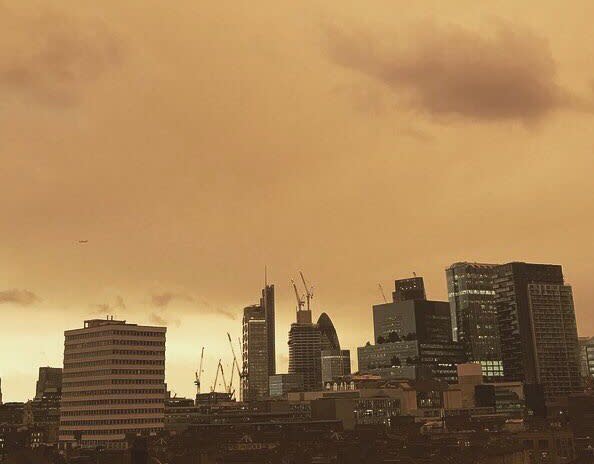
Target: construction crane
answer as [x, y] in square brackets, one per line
[214, 385]
[300, 301]
[381, 289]
[308, 290]
[199, 373]
[234, 368]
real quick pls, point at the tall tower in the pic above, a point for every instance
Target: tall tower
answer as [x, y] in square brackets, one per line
[113, 383]
[259, 345]
[539, 342]
[474, 314]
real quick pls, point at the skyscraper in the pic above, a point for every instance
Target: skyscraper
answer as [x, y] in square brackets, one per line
[474, 314]
[329, 338]
[539, 342]
[409, 289]
[113, 383]
[259, 346]
[305, 345]
[255, 353]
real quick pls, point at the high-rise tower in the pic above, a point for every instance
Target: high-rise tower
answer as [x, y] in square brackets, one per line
[539, 342]
[474, 314]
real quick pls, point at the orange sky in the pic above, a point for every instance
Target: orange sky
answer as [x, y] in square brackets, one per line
[192, 143]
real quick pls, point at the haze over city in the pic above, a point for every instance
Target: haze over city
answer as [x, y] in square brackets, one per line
[156, 158]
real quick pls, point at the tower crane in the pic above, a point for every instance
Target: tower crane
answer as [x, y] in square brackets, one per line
[214, 385]
[198, 373]
[234, 368]
[381, 289]
[300, 301]
[308, 290]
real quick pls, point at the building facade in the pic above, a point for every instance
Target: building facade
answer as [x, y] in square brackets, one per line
[281, 384]
[335, 364]
[255, 353]
[305, 346]
[113, 383]
[49, 383]
[586, 356]
[536, 317]
[474, 314]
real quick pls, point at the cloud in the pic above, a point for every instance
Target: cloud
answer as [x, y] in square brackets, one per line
[103, 308]
[451, 71]
[48, 56]
[163, 300]
[18, 297]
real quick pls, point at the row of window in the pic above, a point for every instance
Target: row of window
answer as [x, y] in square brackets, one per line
[108, 412]
[105, 333]
[96, 354]
[113, 432]
[148, 420]
[89, 383]
[124, 391]
[103, 372]
[115, 401]
[76, 346]
[107, 362]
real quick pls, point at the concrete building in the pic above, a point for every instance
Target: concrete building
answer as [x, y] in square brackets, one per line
[259, 355]
[474, 314]
[335, 364]
[383, 355]
[537, 326]
[409, 289]
[113, 383]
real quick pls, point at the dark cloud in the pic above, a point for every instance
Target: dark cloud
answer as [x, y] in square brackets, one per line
[159, 319]
[448, 71]
[18, 297]
[48, 56]
[163, 300]
[102, 308]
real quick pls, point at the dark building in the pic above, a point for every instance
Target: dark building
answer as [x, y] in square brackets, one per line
[49, 383]
[329, 338]
[443, 358]
[259, 358]
[305, 346]
[335, 364]
[409, 289]
[581, 419]
[255, 353]
[281, 384]
[474, 314]
[537, 326]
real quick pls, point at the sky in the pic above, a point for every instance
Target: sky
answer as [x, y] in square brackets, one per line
[193, 143]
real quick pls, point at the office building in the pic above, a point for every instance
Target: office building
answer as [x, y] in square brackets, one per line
[409, 289]
[443, 359]
[259, 358]
[414, 319]
[305, 346]
[255, 353]
[474, 314]
[113, 383]
[586, 356]
[382, 355]
[49, 383]
[539, 343]
[335, 364]
[329, 338]
[281, 384]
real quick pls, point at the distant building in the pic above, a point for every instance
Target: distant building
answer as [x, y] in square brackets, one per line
[329, 338]
[259, 346]
[49, 383]
[442, 358]
[474, 314]
[305, 346]
[335, 364]
[586, 356]
[387, 355]
[409, 289]
[113, 383]
[536, 318]
[281, 384]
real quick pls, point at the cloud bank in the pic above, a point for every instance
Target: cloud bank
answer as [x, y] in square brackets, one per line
[18, 297]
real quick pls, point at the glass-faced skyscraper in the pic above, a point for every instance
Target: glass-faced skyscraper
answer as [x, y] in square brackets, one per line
[474, 314]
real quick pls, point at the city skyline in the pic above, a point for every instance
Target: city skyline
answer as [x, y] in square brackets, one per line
[158, 157]
[180, 378]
